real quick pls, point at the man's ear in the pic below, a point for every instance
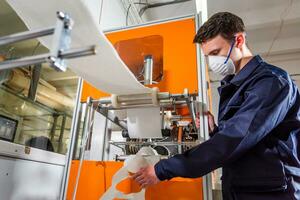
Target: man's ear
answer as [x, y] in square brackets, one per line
[240, 40]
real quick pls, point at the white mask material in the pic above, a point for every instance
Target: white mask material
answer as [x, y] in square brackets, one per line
[221, 64]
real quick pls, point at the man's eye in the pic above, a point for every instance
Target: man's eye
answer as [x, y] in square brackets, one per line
[215, 53]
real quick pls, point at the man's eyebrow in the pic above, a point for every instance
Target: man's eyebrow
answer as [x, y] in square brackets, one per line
[215, 50]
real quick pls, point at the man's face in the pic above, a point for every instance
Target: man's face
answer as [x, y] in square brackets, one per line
[217, 46]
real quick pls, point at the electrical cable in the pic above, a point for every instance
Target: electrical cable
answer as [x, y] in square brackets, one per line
[128, 9]
[142, 10]
[127, 14]
[283, 15]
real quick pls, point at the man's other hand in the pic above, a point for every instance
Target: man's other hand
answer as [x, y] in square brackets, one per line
[146, 177]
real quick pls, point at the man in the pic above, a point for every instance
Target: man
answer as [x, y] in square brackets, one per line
[256, 141]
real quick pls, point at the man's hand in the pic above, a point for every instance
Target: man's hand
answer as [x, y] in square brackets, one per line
[146, 177]
[211, 121]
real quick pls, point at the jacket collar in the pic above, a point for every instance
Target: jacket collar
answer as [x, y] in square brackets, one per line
[239, 78]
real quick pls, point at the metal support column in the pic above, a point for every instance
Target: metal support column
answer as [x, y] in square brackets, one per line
[89, 114]
[201, 16]
[61, 135]
[65, 178]
[34, 82]
[54, 125]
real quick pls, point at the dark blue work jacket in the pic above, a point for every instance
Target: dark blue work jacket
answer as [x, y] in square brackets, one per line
[256, 141]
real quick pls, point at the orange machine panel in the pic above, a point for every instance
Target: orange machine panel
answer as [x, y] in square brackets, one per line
[179, 55]
[96, 178]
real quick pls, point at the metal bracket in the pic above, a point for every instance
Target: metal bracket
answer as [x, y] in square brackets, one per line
[61, 41]
[60, 46]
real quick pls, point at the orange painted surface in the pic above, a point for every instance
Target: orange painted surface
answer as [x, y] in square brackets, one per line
[91, 183]
[179, 55]
[96, 178]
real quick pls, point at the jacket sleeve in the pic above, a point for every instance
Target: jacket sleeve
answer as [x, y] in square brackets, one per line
[266, 103]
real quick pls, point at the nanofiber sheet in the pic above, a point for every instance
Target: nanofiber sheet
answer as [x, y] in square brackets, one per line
[145, 156]
[106, 71]
[144, 122]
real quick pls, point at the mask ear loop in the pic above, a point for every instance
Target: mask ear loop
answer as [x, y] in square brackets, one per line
[231, 47]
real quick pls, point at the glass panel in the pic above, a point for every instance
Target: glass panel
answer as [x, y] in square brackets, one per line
[37, 125]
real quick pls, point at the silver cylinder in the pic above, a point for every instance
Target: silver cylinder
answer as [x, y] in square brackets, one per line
[148, 70]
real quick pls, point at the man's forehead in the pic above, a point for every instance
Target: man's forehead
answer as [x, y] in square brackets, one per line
[213, 44]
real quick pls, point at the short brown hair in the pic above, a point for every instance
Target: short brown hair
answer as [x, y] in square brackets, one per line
[222, 23]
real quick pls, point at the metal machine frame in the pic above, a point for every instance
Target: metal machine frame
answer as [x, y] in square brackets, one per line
[103, 105]
[60, 46]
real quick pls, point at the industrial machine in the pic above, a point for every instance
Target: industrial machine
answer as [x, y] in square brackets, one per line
[99, 136]
[170, 69]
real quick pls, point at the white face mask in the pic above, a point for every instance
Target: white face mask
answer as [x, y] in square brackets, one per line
[222, 65]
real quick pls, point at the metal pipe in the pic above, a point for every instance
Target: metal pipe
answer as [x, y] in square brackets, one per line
[200, 17]
[162, 118]
[124, 157]
[104, 144]
[87, 129]
[79, 129]
[155, 143]
[78, 52]
[192, 113]
[26, 35]
[148, 70]
[43, 58]
[21, 62]
[67, 168]
[162, 104]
